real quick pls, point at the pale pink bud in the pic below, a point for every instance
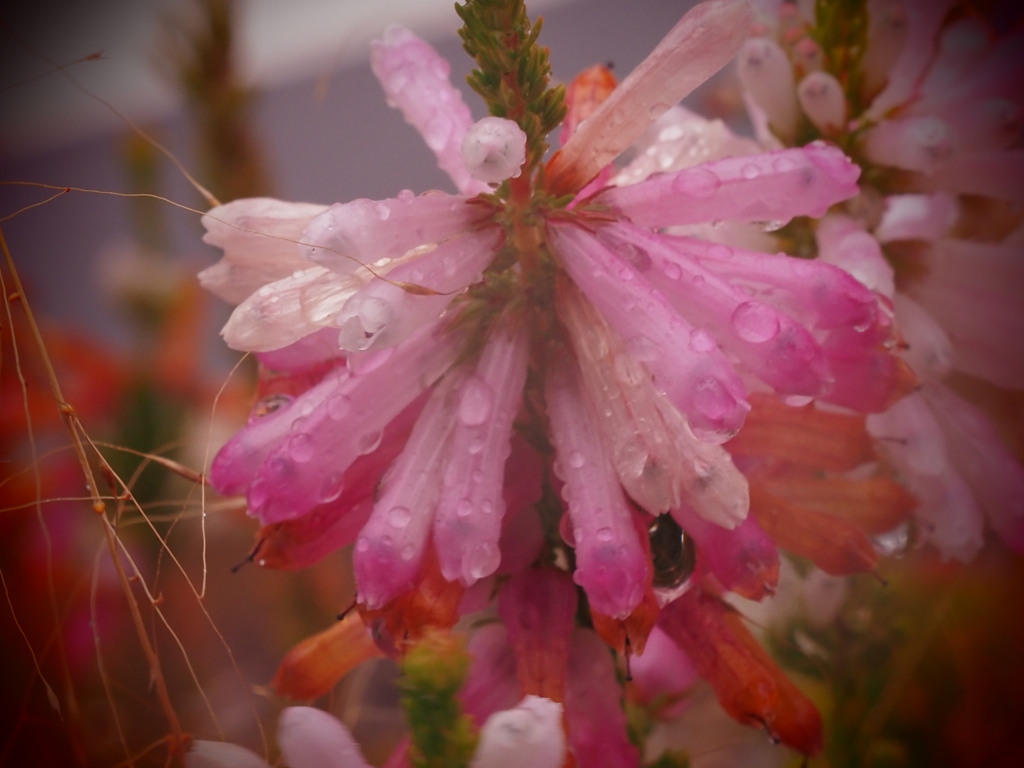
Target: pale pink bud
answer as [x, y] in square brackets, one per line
[494, 149]
[311, 738]
[913, 143]
[822, 100]
[767, 75]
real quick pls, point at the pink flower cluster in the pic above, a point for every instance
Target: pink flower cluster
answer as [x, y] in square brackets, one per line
[497, 383]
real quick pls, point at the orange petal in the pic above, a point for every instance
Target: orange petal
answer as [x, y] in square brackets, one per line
[875, 504]
[314, 666]
[835, 545]
[634, 628]
[803, 435]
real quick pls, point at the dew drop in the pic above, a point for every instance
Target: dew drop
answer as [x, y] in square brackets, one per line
[475, 446]
[577, 460]
[332, 487]
[487, 506]
[279, 466]
[702, 341]
[258, 494]
[369, 442]
[301, 447]
[464, 508]
[476, 402]
[672, 271]
[408, 552]
[268, 405]
[399, 517]
[338, 407]
[363, 544]
[604, 535]
[755, 322]
[382, 211]
[750, 171]
[712, 399]
[481, 561]
[697, 182]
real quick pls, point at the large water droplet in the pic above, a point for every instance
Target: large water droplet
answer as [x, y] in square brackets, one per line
[399, 517]
[750, 171]
[464, 508]
[382, 211]
[755, 322]
[604, 534]
[476, 402]
[481, 561]
[268, 405]
[672, 271]
[338, 407]
[301, 447]
[697, 182]
[332, 487]
[369, 442]
[577, 460]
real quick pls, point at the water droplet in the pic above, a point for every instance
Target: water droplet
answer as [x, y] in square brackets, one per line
[406, 195]
[399, 517]
[383, 212]
[408, 552]
[301, 447]
[672, 271]
[712, 399]
[604, 534]
[338, 407]
[369, 442]
[487, 506]
[702, 341]
[750, 171]
[279, 466]
[626, 274]
[657, 109]
[362, 544]
[797, 401]
[481, 561]
[476, 402]
[698, 281]
[577, 460]
[475, 446]
[697, 182]
[755, 322]
[258, 494]
[464, 508]
[332, 487]
[268, 405]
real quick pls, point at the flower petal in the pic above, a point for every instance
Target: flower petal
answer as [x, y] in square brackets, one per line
[311, 738]
[415, 78]
[528, 734]
[770, 187]
[221, 754]
[260, 238]
[700, 44]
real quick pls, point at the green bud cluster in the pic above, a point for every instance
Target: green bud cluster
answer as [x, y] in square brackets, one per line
[434, 671]
[513, 71]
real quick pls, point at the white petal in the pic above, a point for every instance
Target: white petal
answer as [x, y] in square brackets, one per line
[311, 738]
[221, 754]
[528, 735]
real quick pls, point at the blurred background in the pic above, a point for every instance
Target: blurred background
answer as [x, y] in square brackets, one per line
[259, 97]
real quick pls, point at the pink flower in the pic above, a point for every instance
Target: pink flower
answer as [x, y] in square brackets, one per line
[928, 103]
[541, 302]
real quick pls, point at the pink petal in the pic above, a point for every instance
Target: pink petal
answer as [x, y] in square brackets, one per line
[811, 291]
[823, 101]
[990, 469]
[924, 18]
[662, 672]
[415, 78]
[389, 551]
[767, 77]
[471, 509]
[974, 291]
[770, 344]
[611, 564]
[681, 139]
[991, 174]
[703, 41]
[845, 243]
[221, 754]
[290, 481]
[743, 559]
[916, 217]
[491, 684]
[655, 455]
[260, 239]
[887, 35]
[593, 706]
[701, 381]
[913, 143]
[311, 738]
[770, 187]
[282, 312]
[387, 310]
[364, 232]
